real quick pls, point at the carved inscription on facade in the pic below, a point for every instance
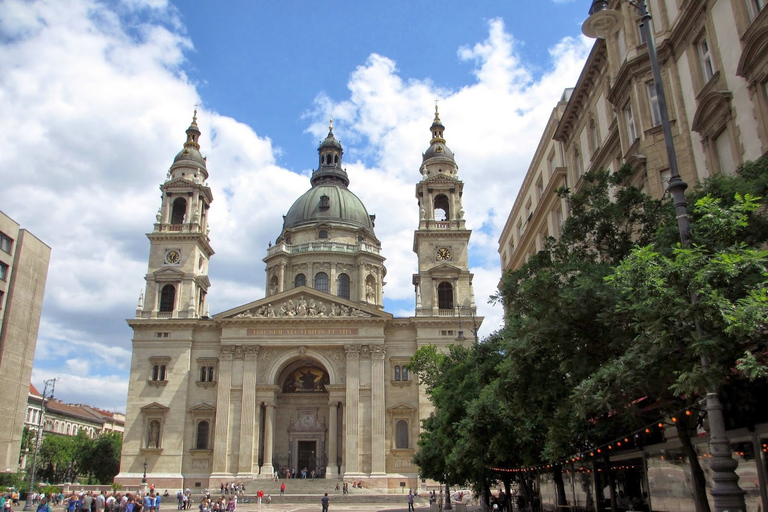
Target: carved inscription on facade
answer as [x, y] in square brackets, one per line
[302, 332]
[402, 463]
[201, 464]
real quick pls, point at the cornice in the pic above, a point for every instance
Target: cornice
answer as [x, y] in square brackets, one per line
[590, 76]
[177, 236]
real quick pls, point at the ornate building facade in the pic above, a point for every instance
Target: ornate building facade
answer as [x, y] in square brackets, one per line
[313, 375]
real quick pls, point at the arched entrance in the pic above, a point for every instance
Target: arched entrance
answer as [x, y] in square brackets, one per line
[302, 433]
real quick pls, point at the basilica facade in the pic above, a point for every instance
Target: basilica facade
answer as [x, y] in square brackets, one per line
[311, 377]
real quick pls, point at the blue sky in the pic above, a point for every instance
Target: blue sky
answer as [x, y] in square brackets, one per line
[97, 94]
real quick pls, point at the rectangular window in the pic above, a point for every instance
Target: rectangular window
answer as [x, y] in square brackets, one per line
[551, 163]
[578, 162]
[629, 118]
[724, 154]
[6, 243]
[3, 271]
[653, 101]
[641, 37]
[158, 372]
[755, 6]
[705, 57]
[540, 187]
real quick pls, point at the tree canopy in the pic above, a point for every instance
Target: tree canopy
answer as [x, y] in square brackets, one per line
[602, 318]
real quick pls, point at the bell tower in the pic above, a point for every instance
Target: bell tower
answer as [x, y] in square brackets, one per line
[177, 277]
[443, 284]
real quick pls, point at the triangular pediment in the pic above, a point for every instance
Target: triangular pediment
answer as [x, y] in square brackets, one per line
[155, 407]
[303, 302]
[444, 269]
[168, 273]
[401, 409]
[202, 409]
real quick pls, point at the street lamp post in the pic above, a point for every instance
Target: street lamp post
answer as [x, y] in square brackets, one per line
[144, 477]
[602, 22]
[28, 505]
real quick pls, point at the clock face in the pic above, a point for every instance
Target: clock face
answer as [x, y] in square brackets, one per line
[172, 256]
[443, 253]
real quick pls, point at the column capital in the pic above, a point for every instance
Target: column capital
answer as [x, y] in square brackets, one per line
[227, 352]
[378, 351]
[251, 352]
[352, 350]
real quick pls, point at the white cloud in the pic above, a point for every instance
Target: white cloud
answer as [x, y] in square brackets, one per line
[493, 126]
[96, 104]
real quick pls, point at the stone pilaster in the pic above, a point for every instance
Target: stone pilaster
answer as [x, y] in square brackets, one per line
[222, 410]
[333, 435]
[248, 412]
[267, 469]
[352, 455]
[378, 455]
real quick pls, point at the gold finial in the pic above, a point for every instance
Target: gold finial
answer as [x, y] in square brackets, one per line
[194, 116]
[437, 113]
[330, 125]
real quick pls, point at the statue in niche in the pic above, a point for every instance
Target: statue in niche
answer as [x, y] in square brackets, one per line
[369, 292]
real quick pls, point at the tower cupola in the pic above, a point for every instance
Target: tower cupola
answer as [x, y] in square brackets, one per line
[438, 159]
[329, 169]
[190, 158]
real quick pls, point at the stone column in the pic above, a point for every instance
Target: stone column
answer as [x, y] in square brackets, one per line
[360, 283]
[222, 411]
[380, 291]
[378, 455]
[269, 439]
[435, 302]
[333, 416]
[248, 412]
[351, 456]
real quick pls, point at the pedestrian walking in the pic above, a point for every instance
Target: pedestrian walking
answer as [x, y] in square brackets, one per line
[282, 489]
[410, 501]
[324, 500]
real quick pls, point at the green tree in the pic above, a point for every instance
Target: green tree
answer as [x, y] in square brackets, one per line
[727, 273]
[104, 463]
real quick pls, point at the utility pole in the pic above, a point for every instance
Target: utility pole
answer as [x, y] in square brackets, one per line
[50, 383]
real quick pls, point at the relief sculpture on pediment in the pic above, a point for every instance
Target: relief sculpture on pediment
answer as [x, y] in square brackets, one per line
[303, 308]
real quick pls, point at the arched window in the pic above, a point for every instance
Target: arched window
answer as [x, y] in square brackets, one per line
[442, 210]
[203, 374]
[342, 286]
[167, 297]
[321, 282]
[405, 373]
[401, 434]
[445, 295]
[300, 280]
[210, 374]
[179, 212]
[201, 442]
[397, 373]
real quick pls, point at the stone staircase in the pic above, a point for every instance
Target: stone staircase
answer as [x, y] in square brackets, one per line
[300, 490]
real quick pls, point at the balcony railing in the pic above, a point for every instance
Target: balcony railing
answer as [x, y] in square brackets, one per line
[323, 247]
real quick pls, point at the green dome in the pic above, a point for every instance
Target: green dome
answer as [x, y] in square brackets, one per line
[332, 203]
